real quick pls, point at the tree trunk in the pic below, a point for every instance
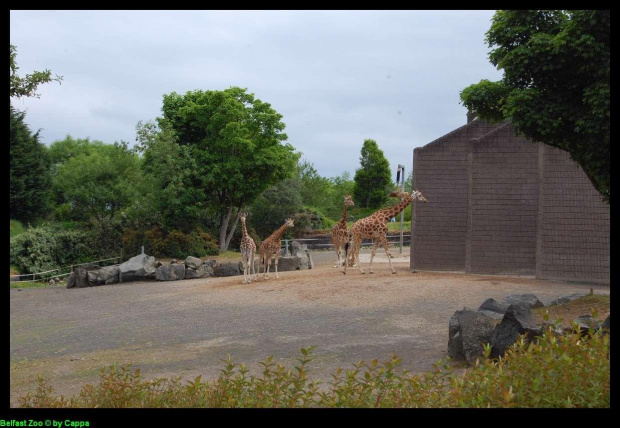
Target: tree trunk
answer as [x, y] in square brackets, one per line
[225, 218]
[225, 237]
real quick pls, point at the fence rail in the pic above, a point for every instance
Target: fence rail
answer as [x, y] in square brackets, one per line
[47, 278]
[392, 239]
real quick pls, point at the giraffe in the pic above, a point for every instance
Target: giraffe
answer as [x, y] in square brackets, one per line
[248, 250]
[375, 227]
[340, 233]
[271, 248]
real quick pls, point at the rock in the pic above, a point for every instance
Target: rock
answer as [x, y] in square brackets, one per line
[202, 271]
[193, 262]
[298, 248]
[78, 278]
[493, 309]
[585, 322]
[170, 272]
[468, 330]
[104, 276]
[228, 269]
[173, 261]
[211, 263]
[517, 320]
[140, 267]
[565, 299]
[606, 324]
[298, 262]
[157, 264]
[529, 299]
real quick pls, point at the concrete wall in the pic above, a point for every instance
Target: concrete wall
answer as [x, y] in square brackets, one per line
[500, 204]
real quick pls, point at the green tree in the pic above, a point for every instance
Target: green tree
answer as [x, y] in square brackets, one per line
[275, 205]
[26, 86]
[237, 143]
[556, 83]
[175, 197]
[29, 177]
[97, 184]
[315, 190]
[373, 179]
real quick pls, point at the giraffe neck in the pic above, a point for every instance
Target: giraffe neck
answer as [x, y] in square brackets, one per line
[343, 220]
[244, 231]
[388, 213]
[275, 236]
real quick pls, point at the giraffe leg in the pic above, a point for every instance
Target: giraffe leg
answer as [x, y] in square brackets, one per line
[276, 257]
[245, 264]
[357, 244]
[267, 266]
[387, 252]
[375, 244]
[337, 249]
[251, 266]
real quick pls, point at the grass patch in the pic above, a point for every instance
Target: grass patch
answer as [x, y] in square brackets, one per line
[597, 305]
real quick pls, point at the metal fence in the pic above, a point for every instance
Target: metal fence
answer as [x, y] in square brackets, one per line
[44, 276]
[320, 243]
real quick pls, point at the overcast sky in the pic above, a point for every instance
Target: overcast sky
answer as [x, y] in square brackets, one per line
[337, 77]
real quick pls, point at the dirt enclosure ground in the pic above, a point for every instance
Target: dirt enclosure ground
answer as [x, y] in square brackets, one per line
[185, 328]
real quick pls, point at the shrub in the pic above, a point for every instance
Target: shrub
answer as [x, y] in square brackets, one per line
[551, 371]
[16, 228]
[52, 246]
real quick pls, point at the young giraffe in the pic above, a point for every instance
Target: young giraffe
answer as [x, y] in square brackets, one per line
[248, 251]
[340, 233]
[271, 248]
[375, 227]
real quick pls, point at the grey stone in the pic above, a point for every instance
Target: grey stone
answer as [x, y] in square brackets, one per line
[517, 320]
[211, 263]
[78, 278]
[200, 272]
[493, 308]
[104, 276]
[565, 299]
[468, 331]
[585, 322]
[140, 267]
[607, 323]
[530, 299]
[170, 272]
[298, 248]
[228, 269]
[193, 262]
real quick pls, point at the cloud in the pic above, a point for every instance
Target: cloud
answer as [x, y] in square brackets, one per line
[338, 77]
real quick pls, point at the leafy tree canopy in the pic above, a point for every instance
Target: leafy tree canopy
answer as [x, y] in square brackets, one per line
[373, 179]
[556, 84]
[26, 86]
[28, 171]
[98, 183]
[237, 142]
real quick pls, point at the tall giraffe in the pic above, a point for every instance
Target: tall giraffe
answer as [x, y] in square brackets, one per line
[375, 228]
[340, 233]
[248, 250]
[271, 248]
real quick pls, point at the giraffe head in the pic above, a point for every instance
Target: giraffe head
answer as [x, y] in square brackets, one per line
[243, 215]
[348, 201]
[289, 222]
[418, 196]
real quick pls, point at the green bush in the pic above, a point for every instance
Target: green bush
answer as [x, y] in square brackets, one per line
[174, 243]
[16, 228]
[44, 248]
[551, 371]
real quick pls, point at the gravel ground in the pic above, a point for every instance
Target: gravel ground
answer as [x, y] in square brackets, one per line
[185, 328]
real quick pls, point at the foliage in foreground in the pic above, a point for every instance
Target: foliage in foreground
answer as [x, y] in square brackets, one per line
[552, 371]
